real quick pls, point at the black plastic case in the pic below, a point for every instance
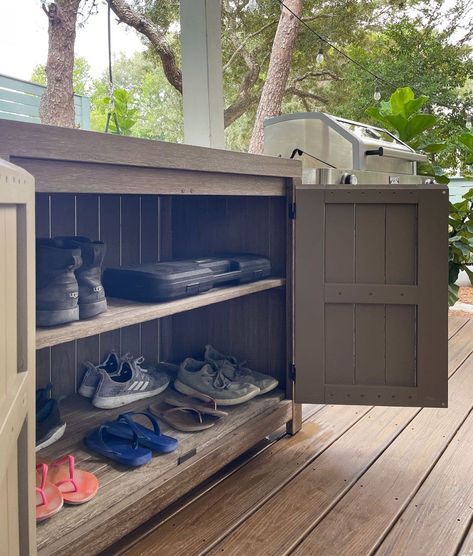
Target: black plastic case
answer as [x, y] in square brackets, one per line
[173, 279]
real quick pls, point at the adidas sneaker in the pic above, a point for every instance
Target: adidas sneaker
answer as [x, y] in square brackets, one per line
[130, 384]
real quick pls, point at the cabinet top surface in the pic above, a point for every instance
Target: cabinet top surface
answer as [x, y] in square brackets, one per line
[25, 140]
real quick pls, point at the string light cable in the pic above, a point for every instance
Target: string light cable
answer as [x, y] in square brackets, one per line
[253, 6]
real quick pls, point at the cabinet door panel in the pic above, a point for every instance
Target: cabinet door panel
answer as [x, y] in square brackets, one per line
[371, 267]
[17, 361]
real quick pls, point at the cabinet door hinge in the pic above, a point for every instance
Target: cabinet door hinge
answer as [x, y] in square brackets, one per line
[292, 211]
[292, 372]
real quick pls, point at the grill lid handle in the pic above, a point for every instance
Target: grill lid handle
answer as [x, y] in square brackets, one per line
[394, 153]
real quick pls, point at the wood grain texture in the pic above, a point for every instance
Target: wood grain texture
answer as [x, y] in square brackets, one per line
[455, 324]
[54, 176]
[280, 523]
[47, 142]
[466, 548]
[441, 511]
[211, 516]
[392, 481]
[122, 312]
[150, 486]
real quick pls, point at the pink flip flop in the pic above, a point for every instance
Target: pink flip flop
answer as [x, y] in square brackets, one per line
[49, 499]
[76, 486]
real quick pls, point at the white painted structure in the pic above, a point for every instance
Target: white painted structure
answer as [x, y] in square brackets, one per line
[202, 79]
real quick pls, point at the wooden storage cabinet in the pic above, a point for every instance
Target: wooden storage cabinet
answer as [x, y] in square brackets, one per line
[140, 213]
[365, 337]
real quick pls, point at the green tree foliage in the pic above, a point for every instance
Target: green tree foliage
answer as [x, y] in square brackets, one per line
[158, 105]
[433, 62]
[460, 242]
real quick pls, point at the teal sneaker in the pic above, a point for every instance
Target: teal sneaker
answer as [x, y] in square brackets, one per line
[201, 377]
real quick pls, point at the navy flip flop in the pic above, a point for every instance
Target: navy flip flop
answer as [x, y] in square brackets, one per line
[126, 452]
[126, 427]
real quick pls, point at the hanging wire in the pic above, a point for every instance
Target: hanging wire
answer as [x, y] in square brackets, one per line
[339, 50]
[111, 107]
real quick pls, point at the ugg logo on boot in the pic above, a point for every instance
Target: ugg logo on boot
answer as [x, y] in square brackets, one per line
[74, 295]
[98, 289]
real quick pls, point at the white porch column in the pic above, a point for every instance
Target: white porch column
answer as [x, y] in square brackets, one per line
[202, 79]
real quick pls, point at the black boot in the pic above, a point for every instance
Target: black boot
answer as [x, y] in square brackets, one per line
[92, 300]
[57, 291]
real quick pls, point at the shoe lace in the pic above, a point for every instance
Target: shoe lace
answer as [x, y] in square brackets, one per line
[220, 380]
[135, 362]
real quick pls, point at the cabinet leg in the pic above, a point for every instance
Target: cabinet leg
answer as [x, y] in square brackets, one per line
[295, 424]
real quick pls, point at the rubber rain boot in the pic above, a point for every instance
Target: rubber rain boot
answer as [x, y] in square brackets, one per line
[92, 299]
[57, 290]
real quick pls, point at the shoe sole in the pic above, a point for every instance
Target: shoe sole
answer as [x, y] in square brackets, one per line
[53, 318]
[268, 389]
[57, 434]
[119, 401]
[87, 391]
[184, 389]
[88, 310]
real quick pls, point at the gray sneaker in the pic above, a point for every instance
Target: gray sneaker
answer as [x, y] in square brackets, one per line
[131, 383]
[238, 372]
[91, 378]
[200, 377]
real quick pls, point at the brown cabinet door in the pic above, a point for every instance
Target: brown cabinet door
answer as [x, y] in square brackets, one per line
[371, 274]
[17, 362]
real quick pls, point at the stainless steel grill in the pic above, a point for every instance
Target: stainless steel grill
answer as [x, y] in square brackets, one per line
[334, 150]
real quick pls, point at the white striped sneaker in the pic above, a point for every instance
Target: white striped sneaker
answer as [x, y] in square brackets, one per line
[131, 383]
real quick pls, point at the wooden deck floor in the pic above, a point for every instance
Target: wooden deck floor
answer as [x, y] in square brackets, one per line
[355, 481]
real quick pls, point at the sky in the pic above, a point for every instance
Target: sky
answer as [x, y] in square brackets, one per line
[24, 46]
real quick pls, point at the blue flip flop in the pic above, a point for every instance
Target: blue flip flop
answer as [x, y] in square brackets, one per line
[126, 452]
[126, 427]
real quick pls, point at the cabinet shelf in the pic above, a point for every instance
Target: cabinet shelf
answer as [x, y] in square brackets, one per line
[122, 490]
[122, 312]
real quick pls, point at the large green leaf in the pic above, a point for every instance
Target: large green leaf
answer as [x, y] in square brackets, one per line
[376, 114]
[400, 98]
[398, 122]
[414, 105]
[444, 180]
[434, 148]
[417, 124]
[467, 140]
[452, 294]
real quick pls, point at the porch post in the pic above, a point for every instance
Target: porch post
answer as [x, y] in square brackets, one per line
[202, 80]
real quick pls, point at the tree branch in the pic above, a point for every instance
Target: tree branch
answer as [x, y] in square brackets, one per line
[146, 27]
[245, 40]
[304, 94]
[316, 74]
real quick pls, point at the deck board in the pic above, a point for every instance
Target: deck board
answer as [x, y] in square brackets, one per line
[388, 481]
[440, 512]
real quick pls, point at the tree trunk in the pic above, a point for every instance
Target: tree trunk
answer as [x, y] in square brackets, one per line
[57, 102]
[278, 72]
